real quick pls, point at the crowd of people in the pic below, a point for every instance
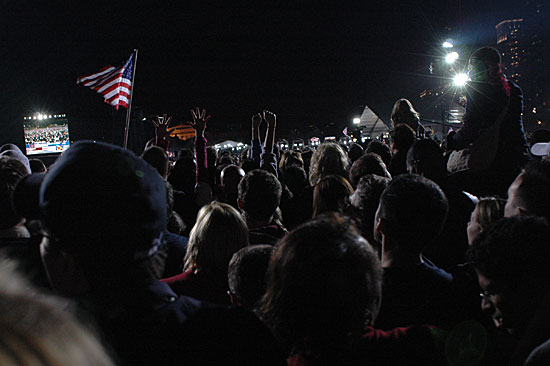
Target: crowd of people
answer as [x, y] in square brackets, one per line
[48, 135]
[369, 254]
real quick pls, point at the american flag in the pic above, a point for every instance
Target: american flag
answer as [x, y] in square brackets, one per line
[113, 83]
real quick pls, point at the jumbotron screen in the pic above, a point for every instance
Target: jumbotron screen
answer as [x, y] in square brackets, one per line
[46, 135]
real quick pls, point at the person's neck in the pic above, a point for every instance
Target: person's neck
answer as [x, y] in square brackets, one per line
[396, 257]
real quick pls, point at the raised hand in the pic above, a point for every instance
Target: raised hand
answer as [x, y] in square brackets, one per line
[270, 118]
[199, 120]
[161, 124]
[256, 120]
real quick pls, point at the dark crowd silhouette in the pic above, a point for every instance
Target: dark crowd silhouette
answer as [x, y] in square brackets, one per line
[410, 252]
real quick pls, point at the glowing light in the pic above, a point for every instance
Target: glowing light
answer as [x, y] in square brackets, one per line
[356, 120]
[460, 79]
[447, 44]
[40, 117]
[534, 109]
[451, 57]
[539, 122]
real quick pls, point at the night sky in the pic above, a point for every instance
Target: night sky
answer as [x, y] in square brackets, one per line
[311, 65]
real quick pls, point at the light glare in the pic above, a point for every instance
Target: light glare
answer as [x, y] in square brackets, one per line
[451, 57]
[356, 121]
[461, 79]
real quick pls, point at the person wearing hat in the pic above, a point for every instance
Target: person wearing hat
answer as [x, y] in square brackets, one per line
[105, 212]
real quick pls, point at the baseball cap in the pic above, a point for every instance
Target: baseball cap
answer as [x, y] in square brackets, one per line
[99, 196]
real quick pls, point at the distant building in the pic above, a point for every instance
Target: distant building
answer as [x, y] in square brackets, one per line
[511, 45]
[525, 49]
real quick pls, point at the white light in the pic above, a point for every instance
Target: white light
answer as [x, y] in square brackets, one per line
[356, 120]
[40, 117]
[461, 79]
[447, 44]
[50, 116]
[34, 117]
[451, 57]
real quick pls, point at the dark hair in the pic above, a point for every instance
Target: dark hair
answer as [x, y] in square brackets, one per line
[247, 273]
[355, 151]
[370, 163]
[403, 112]
[183, 174]
[425, 158]
[365, 200]
[290, 158]
[486, 66]
[260, 193]
[331, 194]
[534, 190]
[403, 136]
[11, 171]
[380, 148]
[157, 158]
[295, 178]
[324, 282]
[513, 248]
[249, 164]
[415, 210]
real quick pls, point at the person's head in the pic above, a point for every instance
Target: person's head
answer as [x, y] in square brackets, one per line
[403, 112]
[380, 148]
[230, 177]
[158, 159]
[425, 158]
[529, 194]
[183, 174]
[331, 194]
[323, 283]
[259, 195]
[365, 200]
[247, 272]
[290, 158]
[484, 65]
[11, 171]
[355, 151]
[295, 178]
[39, 329]
[328, 159]
[487, 211]
[249, 164]
[219, 232]
[106, 208]
[511, 261]
[402, 137]
[411, 213]
[370, 163]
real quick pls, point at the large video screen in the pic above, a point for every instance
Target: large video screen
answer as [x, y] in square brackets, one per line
[46, 136]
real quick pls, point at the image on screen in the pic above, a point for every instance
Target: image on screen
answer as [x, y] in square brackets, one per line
[46, 136]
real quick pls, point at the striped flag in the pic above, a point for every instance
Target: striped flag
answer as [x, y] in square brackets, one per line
[113, 83]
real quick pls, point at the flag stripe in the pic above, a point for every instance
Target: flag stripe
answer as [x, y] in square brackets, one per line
[114, 84]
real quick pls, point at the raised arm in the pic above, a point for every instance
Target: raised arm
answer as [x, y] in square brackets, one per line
[256, 148]
[199, 124]
[268, 159]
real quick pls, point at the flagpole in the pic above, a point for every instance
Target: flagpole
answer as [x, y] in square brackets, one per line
[129, 111]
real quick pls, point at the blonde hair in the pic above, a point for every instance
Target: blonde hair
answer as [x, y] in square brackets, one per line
[219, 232]
[403, 112]
[328, 159]
[38, 329]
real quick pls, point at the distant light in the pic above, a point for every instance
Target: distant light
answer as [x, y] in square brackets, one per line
[534, 109]
[460, 79]
[356, 120]
[40, 117]
[144, 119]
[539, 122]
[451, 57]
[447, 44]
[50, 116]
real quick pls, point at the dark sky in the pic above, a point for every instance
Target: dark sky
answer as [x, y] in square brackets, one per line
[309, 64]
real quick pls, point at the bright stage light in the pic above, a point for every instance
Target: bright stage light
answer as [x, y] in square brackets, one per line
[461, 79]
[356, 121]
[451, 57]
[447, 44]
